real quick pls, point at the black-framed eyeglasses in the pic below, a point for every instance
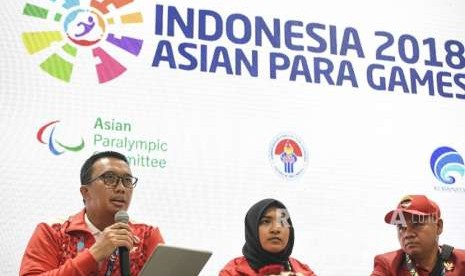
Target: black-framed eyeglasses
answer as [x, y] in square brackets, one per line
[112, 180]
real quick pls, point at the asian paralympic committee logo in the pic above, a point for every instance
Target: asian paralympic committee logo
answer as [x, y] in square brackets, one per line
[54, 145]
[447, 165]
[288, 155]
[81, 28]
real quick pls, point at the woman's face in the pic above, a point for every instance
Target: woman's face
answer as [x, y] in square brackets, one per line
[273, 230]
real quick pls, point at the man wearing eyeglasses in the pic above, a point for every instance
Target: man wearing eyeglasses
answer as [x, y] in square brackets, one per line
[419, 224]
[87, 243]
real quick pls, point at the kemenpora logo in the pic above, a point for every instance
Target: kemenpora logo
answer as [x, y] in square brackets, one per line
[288, 155]
[70, 26]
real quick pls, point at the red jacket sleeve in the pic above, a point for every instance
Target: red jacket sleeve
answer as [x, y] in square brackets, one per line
[42, 256]
[225, 272]
[387, 264]
[152, 239]
[301, 267]
[237, 267]
[380, 267]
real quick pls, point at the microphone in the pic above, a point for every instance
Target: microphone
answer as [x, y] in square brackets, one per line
[122, 216]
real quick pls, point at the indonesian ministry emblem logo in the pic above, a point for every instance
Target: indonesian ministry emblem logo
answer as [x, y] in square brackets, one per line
[60, 31]
[288, 155]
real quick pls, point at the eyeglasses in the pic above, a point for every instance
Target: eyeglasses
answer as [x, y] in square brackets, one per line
[111, 180]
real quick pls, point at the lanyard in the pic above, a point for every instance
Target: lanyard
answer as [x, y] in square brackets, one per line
[413, 271]
[111, 263]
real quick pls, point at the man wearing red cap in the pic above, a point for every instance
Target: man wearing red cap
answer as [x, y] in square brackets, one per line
[419, 224]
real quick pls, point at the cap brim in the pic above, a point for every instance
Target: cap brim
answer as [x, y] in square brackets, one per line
[388, 216]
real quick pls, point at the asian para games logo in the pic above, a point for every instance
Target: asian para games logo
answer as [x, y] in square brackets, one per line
[288, 156]
[447, 165]
[46, 135]
[91, 28]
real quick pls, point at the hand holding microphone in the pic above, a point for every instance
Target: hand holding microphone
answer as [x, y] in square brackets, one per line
[117, 235]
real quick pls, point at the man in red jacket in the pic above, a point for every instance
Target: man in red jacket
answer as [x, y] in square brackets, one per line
[419, 224]
[86, 243]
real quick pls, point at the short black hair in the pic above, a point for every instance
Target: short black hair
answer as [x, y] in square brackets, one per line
[86, 169]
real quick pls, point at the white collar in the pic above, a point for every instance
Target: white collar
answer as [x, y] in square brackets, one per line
[93, 229]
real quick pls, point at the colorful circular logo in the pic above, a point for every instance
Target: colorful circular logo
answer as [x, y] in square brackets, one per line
[93, 30]
[84, 27]
[46, 135]
[447, 165]
[288, 155]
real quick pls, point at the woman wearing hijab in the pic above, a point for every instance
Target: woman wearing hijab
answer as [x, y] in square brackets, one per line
[269, 239]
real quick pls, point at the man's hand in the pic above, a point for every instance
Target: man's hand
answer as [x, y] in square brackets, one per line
[114, 236]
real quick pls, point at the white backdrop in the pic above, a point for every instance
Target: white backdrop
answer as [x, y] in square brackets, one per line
[366, 148]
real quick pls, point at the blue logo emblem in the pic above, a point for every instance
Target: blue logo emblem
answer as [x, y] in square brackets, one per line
[447, 165]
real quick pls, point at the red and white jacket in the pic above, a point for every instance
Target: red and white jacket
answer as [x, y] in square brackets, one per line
[391, 264]
[240, 267]
[61, 249]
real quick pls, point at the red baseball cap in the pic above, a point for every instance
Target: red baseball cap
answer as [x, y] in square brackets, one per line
[415, 205]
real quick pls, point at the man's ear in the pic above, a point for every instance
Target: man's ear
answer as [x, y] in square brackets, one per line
[84, 192]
